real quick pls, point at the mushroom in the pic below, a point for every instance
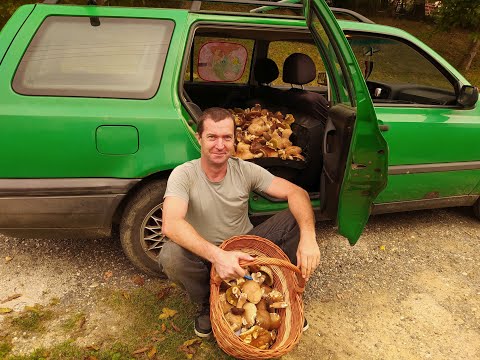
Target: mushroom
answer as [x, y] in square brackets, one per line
[234, 321]
[243, 151]
[275, 321]
[268, 274]
[258, 126]
[232, 295]
[274, 296]
[258, 277]
[223, 302]
[268, 152]
[289, 119]
[263, 319]
[250, 334]
[253, 291]
[263, 340]
[249, 315]
[238, 309]
[294, 152]
[278, 305]
[262, 305]
[265, 290]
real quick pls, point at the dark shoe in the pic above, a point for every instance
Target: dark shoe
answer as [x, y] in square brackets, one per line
[203, 327]
[305, 325]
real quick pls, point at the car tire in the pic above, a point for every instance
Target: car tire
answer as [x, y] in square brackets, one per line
[140, 227]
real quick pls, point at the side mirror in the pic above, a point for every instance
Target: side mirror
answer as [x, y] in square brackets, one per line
[468, 96]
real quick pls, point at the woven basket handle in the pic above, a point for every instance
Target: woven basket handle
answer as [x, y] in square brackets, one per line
[263, 260]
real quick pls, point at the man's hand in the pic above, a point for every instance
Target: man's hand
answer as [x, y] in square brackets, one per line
[308, 255]
[227, 266]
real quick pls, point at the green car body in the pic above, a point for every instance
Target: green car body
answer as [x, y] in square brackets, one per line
[74, 161]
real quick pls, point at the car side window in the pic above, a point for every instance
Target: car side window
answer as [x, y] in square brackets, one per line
[220, 60]
[113, 58]
[397, 72]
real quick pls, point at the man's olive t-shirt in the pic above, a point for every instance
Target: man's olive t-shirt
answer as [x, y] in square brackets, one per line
[218, 210]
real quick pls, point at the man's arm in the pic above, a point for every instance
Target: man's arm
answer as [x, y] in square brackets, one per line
[308, 253]
[177, 229]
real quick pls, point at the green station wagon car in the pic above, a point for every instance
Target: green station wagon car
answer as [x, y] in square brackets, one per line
[98, 104]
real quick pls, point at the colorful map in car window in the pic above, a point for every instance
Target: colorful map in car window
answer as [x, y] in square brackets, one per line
[221, 61]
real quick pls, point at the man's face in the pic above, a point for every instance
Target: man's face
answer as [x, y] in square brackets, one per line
[217, 141]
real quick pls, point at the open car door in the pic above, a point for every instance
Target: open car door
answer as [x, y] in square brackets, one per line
[354, 151]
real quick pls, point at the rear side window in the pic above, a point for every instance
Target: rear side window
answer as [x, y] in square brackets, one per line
[118, 58]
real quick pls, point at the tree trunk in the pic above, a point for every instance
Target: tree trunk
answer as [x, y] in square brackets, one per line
[470, 56]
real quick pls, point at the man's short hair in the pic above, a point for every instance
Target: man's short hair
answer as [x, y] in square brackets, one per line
[216, 114]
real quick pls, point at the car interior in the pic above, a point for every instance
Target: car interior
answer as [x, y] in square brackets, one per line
[297, 90]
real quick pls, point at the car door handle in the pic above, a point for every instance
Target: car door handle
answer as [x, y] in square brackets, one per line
[384, 127]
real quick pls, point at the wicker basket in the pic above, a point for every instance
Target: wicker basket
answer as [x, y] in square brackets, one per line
[286, 278]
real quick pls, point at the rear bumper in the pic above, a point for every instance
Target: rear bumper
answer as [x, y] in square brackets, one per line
[60, 204]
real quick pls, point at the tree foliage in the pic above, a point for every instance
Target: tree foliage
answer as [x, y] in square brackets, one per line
[465, 14]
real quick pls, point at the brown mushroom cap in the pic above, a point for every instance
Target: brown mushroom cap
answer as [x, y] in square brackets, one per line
[275, 321]
[263, 319]
[234, 321]
[263, 340]
[253, 291]
[232, 294]
[249, 315]
[268, 274]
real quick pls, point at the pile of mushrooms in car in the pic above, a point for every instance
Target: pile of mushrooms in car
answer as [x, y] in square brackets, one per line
[249, 307]
[261, 133]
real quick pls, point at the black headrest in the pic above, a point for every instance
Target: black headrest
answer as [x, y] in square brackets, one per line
[265, 71]
[299, 69]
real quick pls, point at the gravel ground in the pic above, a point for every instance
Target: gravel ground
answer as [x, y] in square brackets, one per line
[409, 289]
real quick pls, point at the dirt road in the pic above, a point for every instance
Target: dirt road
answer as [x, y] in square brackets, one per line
[410, 288]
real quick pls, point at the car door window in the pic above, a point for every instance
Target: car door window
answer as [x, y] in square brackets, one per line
[396, 72]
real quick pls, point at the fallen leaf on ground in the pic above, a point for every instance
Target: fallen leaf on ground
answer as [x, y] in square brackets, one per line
[140, 351]
[382, 247]
[138, 280]
[163, 293]
[93, 347]
[8, 258]
[158, 338]
[126, 295]
[107, 275]
[164, 327]
[5, 310]
[11, 297]
[175, 327]
[91, 357]
[152, 352]
[190, 347]
[167, 313]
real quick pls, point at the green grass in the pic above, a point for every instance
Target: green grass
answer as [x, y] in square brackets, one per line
[33, 320]
[138, 312]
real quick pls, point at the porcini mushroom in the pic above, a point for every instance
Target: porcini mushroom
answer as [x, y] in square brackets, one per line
[263, 340]
[238, 309]
[223, 302]
[234, 321]
[232, 294]
[275, 321]
[249, 315]
[253, 291]
[263, 319]
[268, 274]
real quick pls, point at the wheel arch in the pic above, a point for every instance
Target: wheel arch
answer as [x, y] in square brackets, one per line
[119, 211]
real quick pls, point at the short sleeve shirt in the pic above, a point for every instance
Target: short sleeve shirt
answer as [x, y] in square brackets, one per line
[218, 210]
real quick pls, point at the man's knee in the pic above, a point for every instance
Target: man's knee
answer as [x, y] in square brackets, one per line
[171, 256]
